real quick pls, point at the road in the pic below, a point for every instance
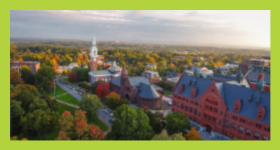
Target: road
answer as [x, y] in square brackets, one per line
[74, 93]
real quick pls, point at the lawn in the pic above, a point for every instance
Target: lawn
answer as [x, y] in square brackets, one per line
[68, 98]
[58, 90]
[65, 80]
[64, 107]
[167, 93]
[99, 123]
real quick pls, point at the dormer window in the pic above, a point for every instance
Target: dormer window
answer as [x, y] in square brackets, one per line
[237, 105]
[180, 89]
[193, 92]
[261, 113]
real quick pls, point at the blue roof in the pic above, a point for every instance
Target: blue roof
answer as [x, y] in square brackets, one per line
[147, 91]
[253, 76]
[230, 93]
[117, 81]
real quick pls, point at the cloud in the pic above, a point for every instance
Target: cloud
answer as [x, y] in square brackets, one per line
[250, 28]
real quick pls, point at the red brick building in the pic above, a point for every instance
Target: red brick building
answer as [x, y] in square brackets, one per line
[33, 65]
[138, 90]
[232, 110]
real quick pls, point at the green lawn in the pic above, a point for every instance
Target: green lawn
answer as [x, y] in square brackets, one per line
[99, 123]
[65, 80]
[58, 90]
[64, 107]
[68, 98]
[167, 93]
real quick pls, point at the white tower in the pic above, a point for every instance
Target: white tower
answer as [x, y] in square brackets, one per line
[93, 55]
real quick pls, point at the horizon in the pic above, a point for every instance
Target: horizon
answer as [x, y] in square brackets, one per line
[212, 28]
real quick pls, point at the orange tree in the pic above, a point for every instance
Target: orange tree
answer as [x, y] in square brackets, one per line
[102, 90]
[192, 135]
[114, 100]
[76, 127]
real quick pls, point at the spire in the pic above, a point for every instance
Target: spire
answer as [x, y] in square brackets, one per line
[196, 72]
[114, 64]
[93, 41]
[239, 76]
[124, 71]
[260, 85]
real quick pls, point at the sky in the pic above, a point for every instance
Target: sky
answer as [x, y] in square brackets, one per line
[174, 27]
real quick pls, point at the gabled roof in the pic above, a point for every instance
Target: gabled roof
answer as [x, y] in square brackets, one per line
[253, 76]
[117, 81]
[147, 91]
[101, 72]
[135, 81]
[230, 93]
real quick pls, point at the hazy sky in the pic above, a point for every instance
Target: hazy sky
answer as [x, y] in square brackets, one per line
[186, 27]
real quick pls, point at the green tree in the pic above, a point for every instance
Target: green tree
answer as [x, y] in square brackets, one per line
[40, 121]
[15, 78]
[130, 124]
[26, 75]
[164, 136]
[177, 122]
[156, 121]
[90, 103]
[43, 78]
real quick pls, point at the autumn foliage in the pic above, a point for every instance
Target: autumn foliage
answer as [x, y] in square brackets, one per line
[73, 77]
[146, 108]
[76, 127]
[15, 78]
[114, 96]
[192, 135]
[102, 90]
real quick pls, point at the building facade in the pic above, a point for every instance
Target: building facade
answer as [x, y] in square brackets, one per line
[138, 90]
[105, 75]
[228, 109]
[33, 65]
[60, 69]
[153, 76]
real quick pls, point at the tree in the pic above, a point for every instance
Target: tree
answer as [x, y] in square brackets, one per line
[30, 88]
[99, 67]
[26, 75]
[114, 100]
[15, 79]
[40, 121]
[163, 136]
[94, 85]
[176, 122]
[192, 135]
[156, 121]
[130, 124]
[73, 77]
[76, 128]
[102, 90]
[43, 79]
[90, 103]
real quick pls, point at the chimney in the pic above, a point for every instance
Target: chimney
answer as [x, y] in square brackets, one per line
[261, 76]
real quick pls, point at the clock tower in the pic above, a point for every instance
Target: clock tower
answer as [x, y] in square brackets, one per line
[93, 55]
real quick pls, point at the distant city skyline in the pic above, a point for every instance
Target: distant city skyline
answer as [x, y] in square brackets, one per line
[248, 28]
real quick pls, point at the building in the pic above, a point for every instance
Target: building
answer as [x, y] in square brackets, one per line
[225, 68]
[105, 75]
[172, 77]
[202, 70]
[61, 68]
[152, 76]
[254, 77]
[72, 65]
[255, 64]
[138, 90]
[33, 65]
[224, 108]
[199, 58]
[180, 57]
[152, 66]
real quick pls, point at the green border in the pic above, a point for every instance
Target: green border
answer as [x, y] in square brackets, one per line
[6, 6]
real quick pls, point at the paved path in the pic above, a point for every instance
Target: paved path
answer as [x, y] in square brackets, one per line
[74, 93]
[67, 104]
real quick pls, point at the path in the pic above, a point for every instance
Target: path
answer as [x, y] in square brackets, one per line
[74, 93]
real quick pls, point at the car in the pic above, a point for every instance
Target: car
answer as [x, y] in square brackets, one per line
[111, 114]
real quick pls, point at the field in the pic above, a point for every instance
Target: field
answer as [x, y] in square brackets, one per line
[68, 98]
[58, 90]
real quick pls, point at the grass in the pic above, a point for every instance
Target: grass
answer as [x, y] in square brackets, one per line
[167, 93]
[99, 123]
[58, 90]
[68, 98]
[64, 107]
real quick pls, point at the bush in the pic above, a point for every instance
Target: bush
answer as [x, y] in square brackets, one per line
[85, 85]
[166, 85]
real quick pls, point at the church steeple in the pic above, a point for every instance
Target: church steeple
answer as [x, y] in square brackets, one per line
[93, 55]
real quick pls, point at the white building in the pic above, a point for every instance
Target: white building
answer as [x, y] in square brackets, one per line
[226, 67]
[151, 65]
[72, 65]
[61, 68]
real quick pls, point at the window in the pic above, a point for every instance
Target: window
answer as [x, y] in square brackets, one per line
[205, 116]
[190, 109]
[266, 128]
[256, 135]
[186, 108]
[250, 122]
[215, 110]
[248, 132]
[195, 111]
[219, 122]
[206, 107]
[174, 103]
[233, 126]
[211, 109]
[178, 105]
[214, 119]
[234, 117]
[240, 129]
[221, 113]
[265, 138]
[226, 124]
[182, 106]
[228, 114]
[199, 114]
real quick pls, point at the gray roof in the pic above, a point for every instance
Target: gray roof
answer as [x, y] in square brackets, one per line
[101, 72]
[171, 74]
[135, 81]
[156, 87]
[230, 93]
[253, 77]
[147, 91]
